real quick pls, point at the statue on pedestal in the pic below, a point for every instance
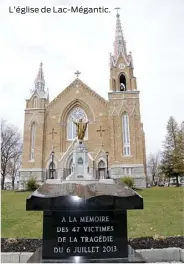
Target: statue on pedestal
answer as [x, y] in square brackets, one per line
[81, 128]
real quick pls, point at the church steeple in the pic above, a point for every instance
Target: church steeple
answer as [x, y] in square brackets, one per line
[119, 43]
[38, 93]
[40, 81]
[121, 63]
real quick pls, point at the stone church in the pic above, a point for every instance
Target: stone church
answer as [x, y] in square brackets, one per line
[115, 137]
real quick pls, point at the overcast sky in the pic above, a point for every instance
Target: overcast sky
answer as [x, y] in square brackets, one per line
[153, 29]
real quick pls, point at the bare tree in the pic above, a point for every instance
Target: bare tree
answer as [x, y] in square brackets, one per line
[11, 147]
[14, 165]
[154, 165]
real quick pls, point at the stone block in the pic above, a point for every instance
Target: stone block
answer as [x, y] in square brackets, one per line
[24, 256]
[159, 255]
[181, 255]
[10, 257]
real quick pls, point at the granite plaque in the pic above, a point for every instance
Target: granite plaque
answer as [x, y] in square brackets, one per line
[84, 221]
[89, 234]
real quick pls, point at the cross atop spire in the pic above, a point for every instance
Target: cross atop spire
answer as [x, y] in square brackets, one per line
[40, 81]
[117, 8]
[119, 43]
[77, 73]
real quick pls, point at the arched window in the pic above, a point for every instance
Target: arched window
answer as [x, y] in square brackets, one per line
[126, 134]
[80, 161]
[76, 114]
[122, 81]
[33, 136]
[101, 164]
[35, 102]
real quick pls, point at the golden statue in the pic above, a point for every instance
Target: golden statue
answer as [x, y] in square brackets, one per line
[81, 128]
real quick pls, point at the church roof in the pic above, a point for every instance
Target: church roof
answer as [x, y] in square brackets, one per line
[77, 82]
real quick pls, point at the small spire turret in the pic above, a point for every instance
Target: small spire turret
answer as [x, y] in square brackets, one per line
[40, 81]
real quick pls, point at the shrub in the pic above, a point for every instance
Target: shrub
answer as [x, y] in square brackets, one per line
[31, 184]
[128, 181]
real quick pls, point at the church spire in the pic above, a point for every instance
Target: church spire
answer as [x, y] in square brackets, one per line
[40, 81]
[119, 43]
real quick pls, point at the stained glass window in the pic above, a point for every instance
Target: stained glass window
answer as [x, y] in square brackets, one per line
[76, 114]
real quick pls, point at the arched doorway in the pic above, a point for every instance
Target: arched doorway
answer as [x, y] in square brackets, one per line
[52, 171]
[101, 170]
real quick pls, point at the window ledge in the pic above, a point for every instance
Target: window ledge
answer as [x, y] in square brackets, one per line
[31, 161]
[127, 156]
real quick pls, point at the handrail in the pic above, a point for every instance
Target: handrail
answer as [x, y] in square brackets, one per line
[66, 152]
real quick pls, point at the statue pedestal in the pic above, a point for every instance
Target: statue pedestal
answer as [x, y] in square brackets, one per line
[80, 163]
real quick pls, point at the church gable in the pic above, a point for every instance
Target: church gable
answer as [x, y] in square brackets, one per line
[77, 94]
[33, 101]
[75, 102]
[121, 59]
[76, 90]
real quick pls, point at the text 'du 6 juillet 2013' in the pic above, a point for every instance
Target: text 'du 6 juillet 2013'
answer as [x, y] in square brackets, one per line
[83, 235]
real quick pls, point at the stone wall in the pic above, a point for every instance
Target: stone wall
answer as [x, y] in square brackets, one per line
[137, 172]
[25, 175]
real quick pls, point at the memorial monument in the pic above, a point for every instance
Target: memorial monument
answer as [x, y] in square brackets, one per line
[84, 219]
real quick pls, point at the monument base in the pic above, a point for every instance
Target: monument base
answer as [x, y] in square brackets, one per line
[83, 218]
[133, 257]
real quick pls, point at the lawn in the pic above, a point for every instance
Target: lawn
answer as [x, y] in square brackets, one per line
[163, 214]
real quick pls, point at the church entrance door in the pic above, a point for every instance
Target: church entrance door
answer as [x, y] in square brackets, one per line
[101, 170]
[101, 173]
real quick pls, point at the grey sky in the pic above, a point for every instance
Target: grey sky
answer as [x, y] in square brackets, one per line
[153, 30]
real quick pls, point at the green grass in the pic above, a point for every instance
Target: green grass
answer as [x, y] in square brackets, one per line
[162, 215]
[15, 220]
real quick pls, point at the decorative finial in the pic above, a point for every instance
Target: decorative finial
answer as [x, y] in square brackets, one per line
[77, 73]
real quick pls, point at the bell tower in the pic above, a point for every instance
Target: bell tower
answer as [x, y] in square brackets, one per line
[121, 63]
[128, 155]
[34, 123]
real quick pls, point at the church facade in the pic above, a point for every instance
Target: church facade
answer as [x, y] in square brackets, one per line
[115, 137]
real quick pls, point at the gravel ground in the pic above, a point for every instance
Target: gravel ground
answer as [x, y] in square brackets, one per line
[30, 245]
